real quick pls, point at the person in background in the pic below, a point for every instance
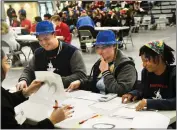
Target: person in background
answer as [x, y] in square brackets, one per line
[9, 36]
[61, 29]
[47, 17]
[35, 44]
[172, 20]
[70, 20]
[10, 13]
[158, 80]
[111, 20]
[86, 23]
[22, 11]
[65, 17]
[15, 22]
[114, 72]
[37, 19]
[26, 24]
[10, 100]
[55, 56]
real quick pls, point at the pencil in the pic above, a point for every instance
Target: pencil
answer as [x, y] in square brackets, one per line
[83, 121]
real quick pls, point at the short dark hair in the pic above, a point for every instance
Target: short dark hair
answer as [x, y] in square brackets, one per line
[23, 15]
[48, 16]
[38, 19]
[167, 55]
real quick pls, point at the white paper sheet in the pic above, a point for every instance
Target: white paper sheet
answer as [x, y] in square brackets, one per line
[52, 89]
[77, 93]
[110, 105]
[81, 111]
[91, 97]
[128, 113]
[80, 107]
[151, 120]
[85, 95]
[106, 123]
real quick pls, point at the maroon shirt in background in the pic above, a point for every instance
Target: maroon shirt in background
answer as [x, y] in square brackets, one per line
[26, 22]
[63, 30]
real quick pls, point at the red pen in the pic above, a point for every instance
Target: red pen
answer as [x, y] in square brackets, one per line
[60, 107]
[56, 107]
[56, 104]
[81, 122]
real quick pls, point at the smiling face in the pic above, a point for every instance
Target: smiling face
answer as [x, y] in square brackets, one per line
[107, 52]
[48, 41]
[149, 63]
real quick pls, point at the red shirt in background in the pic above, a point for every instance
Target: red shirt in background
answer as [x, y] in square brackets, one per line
[33, 28]
[26, 22]
[63, 30]
[99, 4]
[15, 23]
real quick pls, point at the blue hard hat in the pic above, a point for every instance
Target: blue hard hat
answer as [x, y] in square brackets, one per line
[44, 27]
[105, 38]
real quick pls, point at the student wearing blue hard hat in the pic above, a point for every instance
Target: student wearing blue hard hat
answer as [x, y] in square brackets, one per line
[85, 23]
[53, 55]
[114, 72]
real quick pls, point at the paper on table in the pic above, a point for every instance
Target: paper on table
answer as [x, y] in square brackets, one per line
[79, 105]
[112, 104]
[80, 108]
[77, 93]
[106, 123]
[151, 120]
[130, 113]
[91, 96]
[52, 89]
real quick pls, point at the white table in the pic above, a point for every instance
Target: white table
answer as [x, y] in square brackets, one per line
[111, 28]
[36, 112]
[31, 38]
[18, 29]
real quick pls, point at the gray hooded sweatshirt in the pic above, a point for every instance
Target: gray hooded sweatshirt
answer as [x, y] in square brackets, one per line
[118, 81]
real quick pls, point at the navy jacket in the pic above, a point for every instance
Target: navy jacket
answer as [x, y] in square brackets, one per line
[159, 96]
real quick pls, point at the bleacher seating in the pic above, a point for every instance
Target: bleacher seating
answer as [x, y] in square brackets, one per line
[163, 8]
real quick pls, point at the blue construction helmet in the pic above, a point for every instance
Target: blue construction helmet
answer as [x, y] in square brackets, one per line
[44, 27]
[105, 38]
